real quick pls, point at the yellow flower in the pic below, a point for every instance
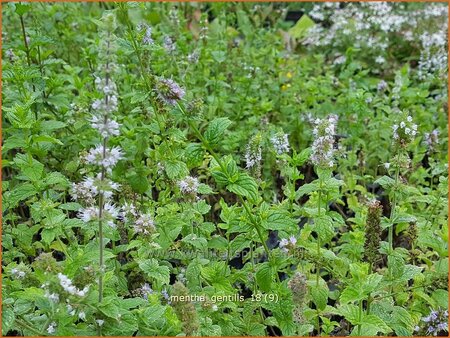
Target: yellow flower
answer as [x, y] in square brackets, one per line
[285, 86]
[289, 75]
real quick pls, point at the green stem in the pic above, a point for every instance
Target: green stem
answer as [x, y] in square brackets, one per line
[27, 326]
[360, 314]
[394, 203]
[318, 236]
[142, 69]
[391, 217]
[24, 35]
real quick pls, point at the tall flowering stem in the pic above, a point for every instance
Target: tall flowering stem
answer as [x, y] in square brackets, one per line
[322, 157]
[96, 192]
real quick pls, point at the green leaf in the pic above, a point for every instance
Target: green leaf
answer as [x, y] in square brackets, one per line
[176, 169]
[219, 56]
[194, 154]
[306, 189]
[350, 294]
[371, 283]
[204, 189]
[20, 193]
[300, 29]
[350, 312]
[319, 296]
[264, 277]
[245, 186]
[73, 206]
[152, 268]
[376, 322]
[195, 241]
[22, 8]
[48, 235]
[202, 207]
[52, 125]
[278, 220]
[46, 138]
[386, 182]
[139, 183]
[216, 129]
[8, 319]
[323, 226]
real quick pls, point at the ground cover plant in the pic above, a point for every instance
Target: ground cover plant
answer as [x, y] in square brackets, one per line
[223, 169]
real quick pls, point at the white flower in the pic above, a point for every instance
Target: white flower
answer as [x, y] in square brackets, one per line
[380, 59]
[286, 244]
[51, 328]
[144, 224]
[17, 273]
[53, 297]
[323, 145]
[100, 322]
[82, 315]
[105, 157]
[67, 285]
[106, 127]
[387, 165]
[188, 185]
[280, 142]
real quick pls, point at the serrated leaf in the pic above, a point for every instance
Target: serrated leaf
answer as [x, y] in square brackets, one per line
[278, 220]
[175, 169]
[20, 193]
[306, 189]
[52, 125]
[264, 277]
[8, 319]
[245, 186]
[319, 296]
[139, 183]
[153, 270]
[301, 27]
[386, 182]
[216, 129]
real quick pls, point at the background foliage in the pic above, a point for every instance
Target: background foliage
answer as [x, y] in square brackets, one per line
[237, 204]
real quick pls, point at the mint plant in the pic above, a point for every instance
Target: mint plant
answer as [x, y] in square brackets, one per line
[224, 169]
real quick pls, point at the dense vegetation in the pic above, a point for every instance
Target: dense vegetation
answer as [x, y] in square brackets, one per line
[224, 169]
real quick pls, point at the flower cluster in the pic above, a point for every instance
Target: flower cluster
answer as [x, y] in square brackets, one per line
[104, 156]
[431, 140]
[436, 323]
[189, 185]
[288, 244]
[88, 189]
[372, 233]
[109, 213]
[51, 328]
[169, 45]
[147, 38]
[382, 86]
[144, 224]
[323, 146]
[405, 131]
[144, 291]
[379, 26]
[299, 290]
[18, 273]
[253, 152]
[280, 143]
[105, 128]
[68, 286]
[433, 57]
[169, 91]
